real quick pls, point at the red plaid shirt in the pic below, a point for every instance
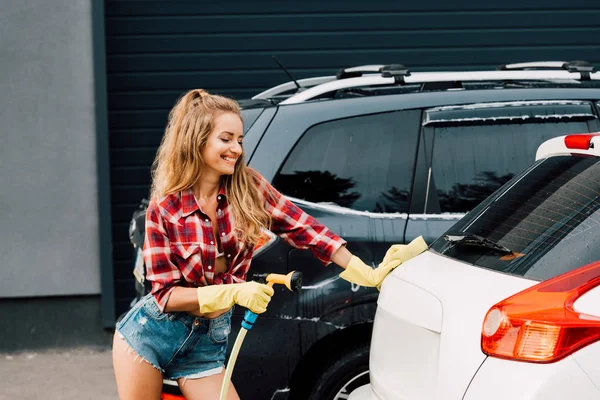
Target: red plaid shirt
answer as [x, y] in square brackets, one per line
[180, 248]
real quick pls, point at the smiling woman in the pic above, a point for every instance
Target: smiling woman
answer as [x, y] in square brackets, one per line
[224, 145]
[206, 213]
[203, 143]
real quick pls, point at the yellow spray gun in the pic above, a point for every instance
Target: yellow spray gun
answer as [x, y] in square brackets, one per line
[293, 281]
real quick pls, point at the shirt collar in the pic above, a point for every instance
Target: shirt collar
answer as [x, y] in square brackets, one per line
[189, 204]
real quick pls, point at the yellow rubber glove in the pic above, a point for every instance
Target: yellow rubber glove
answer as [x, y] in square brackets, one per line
[360, 273]
[252, 295]
[405, 252]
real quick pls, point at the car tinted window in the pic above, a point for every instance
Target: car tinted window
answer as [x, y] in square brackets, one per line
[249, 117]
[548, 216]
[471, 162]
[364, 163]
[477, 149]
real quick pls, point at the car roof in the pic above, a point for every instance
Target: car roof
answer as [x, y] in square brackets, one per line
[375, 80]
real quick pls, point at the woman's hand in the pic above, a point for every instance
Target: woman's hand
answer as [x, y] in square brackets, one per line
[252, 295]
[361, 274]
[405, 252]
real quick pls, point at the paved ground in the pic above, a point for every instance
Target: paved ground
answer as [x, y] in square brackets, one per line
[75, 374]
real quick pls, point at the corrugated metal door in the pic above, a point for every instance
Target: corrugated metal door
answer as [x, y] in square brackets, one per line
[157, 50]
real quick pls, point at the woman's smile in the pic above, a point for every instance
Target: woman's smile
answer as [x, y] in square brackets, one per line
[231, 160]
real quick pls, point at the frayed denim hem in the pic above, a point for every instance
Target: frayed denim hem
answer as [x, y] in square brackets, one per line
[203, 374]
[130, 350]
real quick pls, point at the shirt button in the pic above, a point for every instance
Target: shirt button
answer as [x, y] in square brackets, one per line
[229, 255]
[209, 267]
[206, 219]
[211, 242]
[223, 234]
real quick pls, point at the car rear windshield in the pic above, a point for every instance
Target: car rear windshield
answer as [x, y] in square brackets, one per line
[540, 224]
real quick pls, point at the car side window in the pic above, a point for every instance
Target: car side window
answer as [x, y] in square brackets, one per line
[476, 152]
[364, 163]
[249, 117]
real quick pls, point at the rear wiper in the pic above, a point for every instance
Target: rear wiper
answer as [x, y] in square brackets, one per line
[468, 239]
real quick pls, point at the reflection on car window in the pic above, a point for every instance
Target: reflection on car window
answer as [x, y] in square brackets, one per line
[364, 163]
[549, 217]
[471, 162]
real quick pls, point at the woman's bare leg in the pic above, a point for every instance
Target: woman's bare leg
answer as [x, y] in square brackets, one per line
[136, 378]
[208, 388]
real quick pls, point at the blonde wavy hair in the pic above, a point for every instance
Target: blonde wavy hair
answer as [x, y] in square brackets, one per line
[178, 163]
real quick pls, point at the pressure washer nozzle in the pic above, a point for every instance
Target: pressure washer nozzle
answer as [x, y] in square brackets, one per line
[293, 280]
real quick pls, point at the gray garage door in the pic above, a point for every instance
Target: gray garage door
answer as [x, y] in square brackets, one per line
[157, 50]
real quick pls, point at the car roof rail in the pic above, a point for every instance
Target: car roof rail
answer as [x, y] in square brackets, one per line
[396, 75]
[354, 72]
[532, 65]
[583, 67]
[286, 87]
[344, 73]
[396, 71]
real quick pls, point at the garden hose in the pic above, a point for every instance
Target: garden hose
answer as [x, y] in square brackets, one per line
[293, 281]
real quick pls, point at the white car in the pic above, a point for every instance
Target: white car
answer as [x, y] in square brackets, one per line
[506, 304]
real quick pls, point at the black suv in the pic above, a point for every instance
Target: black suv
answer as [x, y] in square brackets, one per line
[380, 155]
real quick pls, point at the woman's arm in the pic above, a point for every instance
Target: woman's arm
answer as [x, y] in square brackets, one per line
[183, 299]
[304, 232]
[299, 229]
[161, 272]
[213, 300]
[342, 257]
[164, 275]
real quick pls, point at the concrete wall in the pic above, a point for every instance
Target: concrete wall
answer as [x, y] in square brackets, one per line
[49, 228]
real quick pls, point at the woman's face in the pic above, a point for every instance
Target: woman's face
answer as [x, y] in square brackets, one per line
[224, 145]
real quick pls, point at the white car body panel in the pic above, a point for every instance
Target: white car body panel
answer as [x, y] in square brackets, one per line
[426, 340]
[412, 358]
[426, 337]
[589, 303]
[421, 351]
[563, 379]
[588, 357]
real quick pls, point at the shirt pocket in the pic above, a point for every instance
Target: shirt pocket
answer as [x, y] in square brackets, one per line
[186, 250]
[188, 258]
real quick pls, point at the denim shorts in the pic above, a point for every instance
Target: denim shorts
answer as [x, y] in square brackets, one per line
[177, 344]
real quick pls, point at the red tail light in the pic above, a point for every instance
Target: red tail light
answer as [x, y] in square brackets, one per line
[267, 238]
[539, 324]
[581, 142]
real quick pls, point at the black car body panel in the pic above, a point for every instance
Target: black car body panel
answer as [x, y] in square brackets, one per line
[301, 332]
